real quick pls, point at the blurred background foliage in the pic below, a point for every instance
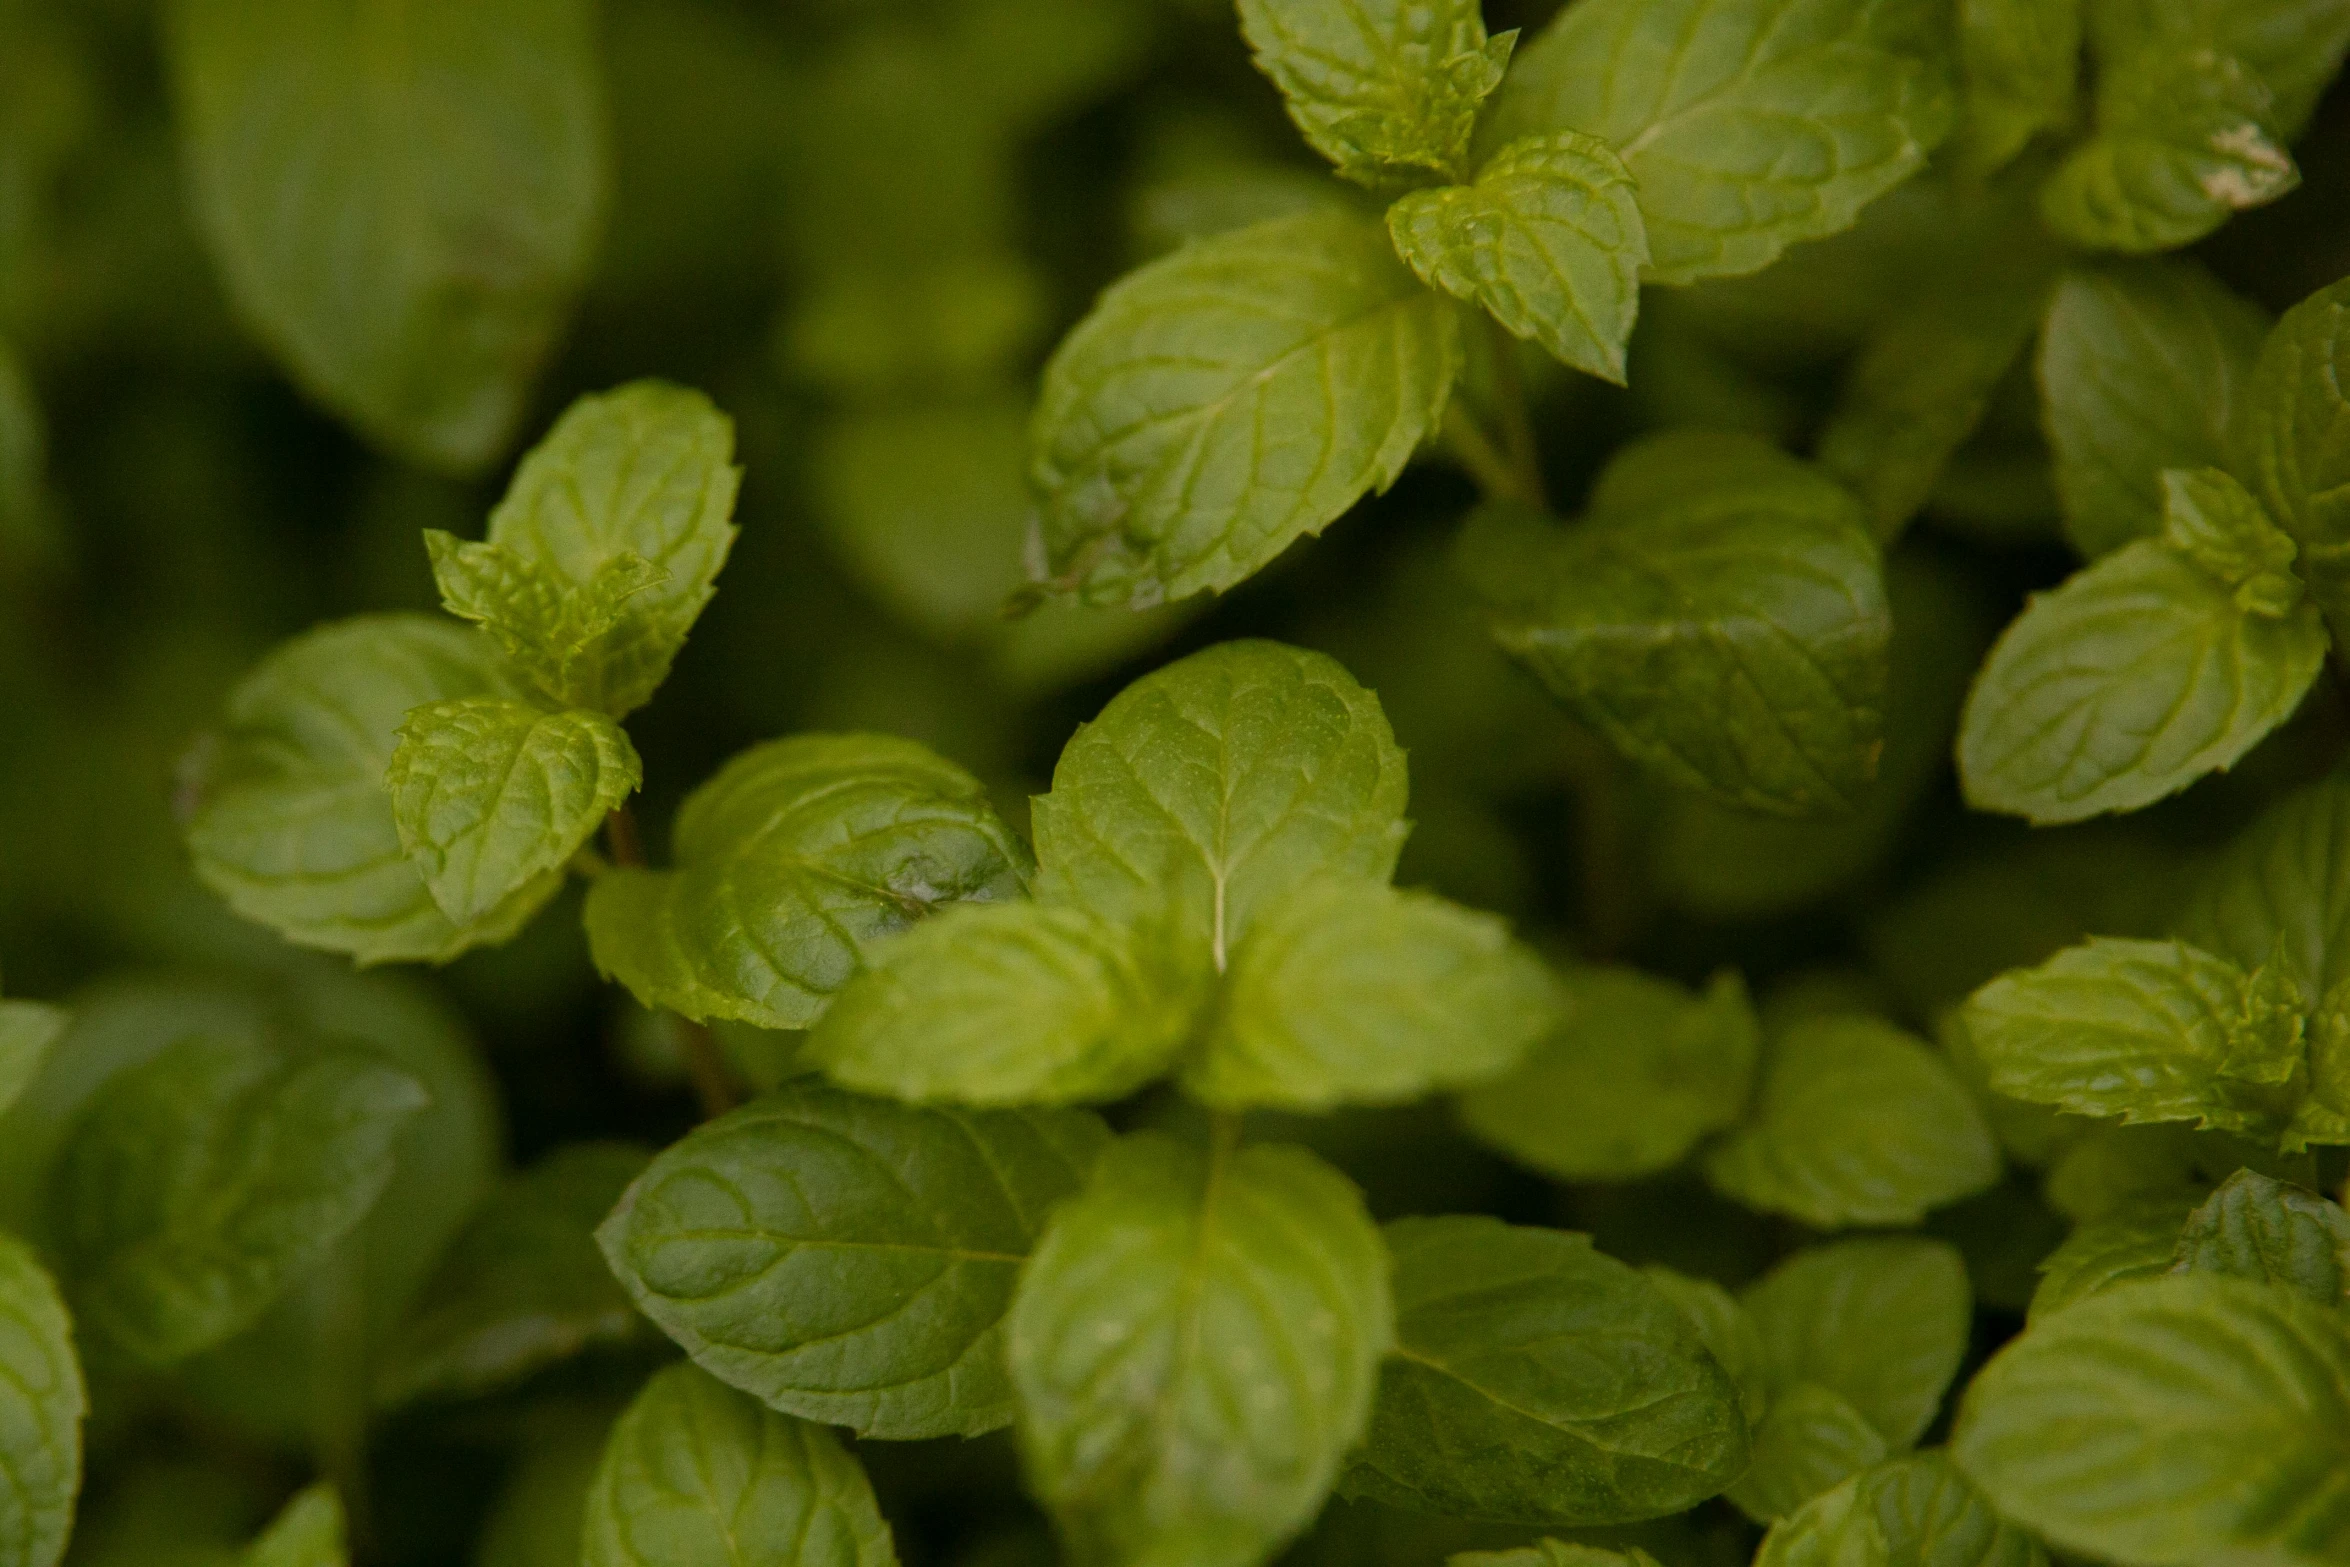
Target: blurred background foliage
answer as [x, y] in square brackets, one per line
[860, 225]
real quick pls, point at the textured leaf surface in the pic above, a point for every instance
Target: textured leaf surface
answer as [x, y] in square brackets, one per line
[697, 1475]
[2185, 139]
[2143, 366]
[2258, 1228]
[2128, 682]
[1914, 1511]
[2172, 1421]
[1881, 1322]
[1349, 991]
[1379, 85]
[202, 1183]
[1015, 1004]
[1212, 785]
[1810, 1441]
[490, 795]
[523, 1286]
[792, 863]
[401, 198]
[1548, 239]
[1637, 1072]
[2294, 438]
[1195, 1344]
[1855, 1122]
[639, 480]
[557, 636]
[41, 1418]
[1748, 124]
[1726, 1331]
[850, 1260]
[1221, 402]
[2137, 1240]
[293, 824]
[1537, 1381]
[1728, 633]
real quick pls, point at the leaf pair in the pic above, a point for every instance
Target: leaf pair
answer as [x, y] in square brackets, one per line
[2174, 655]
[1212, 898]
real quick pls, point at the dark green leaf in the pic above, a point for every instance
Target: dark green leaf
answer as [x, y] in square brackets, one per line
[2262, 1229]
[41, 1418]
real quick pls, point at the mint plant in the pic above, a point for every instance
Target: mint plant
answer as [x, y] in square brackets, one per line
[1143, 784]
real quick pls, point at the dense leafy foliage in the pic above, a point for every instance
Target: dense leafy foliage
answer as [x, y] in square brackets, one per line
[1174, 783]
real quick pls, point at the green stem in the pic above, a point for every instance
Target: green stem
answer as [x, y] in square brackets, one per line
[1496, 477]
[1517, 425]
[705, 1064]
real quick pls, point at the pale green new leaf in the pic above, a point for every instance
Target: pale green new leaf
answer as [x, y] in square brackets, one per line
[401, 197]
[1855, 1122]
[2265, 1230]
[1537, 1381]
[1548, 239]
[491, 795]
[1881, 1322]
[308, 1532]
[523, 1286]
[2021, 64]
[1914, 1511]
[1748, 124]
[1728, 633]
[291, 821]
[850, 1260]
[2186, 138]
[1810, 1441]
[1348, 991]
[1019, 1003]
[2211, 520]
[2147, 1031]
[2175, 1422]
[1380, 87]
[1217, 783]
[555, 635]
[200, 1185]
[1195, 1344]
[2295, 45]
[41, 1418]
[2139, 1239]
[27, 1030]
[791, 864]
[1222, 402]
[697, 1475]
[2132, 679]
[2143, 366]
[2293, 438]
[1627, 1083]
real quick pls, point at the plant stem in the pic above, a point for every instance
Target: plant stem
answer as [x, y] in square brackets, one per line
[705, 1066]
[1496, 477]
[1517, 426]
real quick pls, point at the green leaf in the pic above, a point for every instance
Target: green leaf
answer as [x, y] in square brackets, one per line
[556, 636]
[850, 1260]
[1627, 1084]
[2127, 683]
[1727, 1332]
[1748, 124]
[523, 1286]
[401, 200]
[27, 1030]
[1728, 633]
[307, 1533]
[199, 1185]
[2022, 66]
[1537, 1381]
[1350, 991]
[1811, 1440]
[2281, 890]
[292, 823]
[2293, 438]
[1013, 1004]
[2210, 519]
[697, 1475]
[1881, 1322]
[1553, 1553]
[41, 1421]
[2261, 1229]
[2136, 1240]
[792, 863]
[2186, 138]
[1855, 1122]
[491, 795]
[1380, 87]
[2148, 1031]
[623, 508]
[1548, 239]
[2143, 366]
[1221, 402]
[2172, 1422]
[1213, 785]
[1915, 1511]
[1195, 1344]
[2295, 45]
